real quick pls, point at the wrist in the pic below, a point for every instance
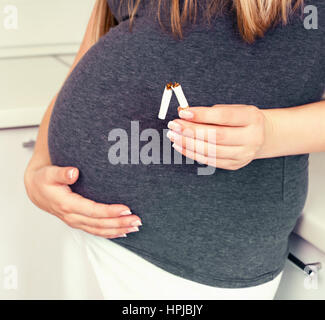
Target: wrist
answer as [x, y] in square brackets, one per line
[36, 162]
[39, 159]
[269, 134]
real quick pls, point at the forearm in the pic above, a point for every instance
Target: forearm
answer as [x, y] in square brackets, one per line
[295, 130]
[41, 154]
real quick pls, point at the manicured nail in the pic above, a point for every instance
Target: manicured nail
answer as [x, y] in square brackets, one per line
[177, 147]
[186, 114]
[122, 235]
[71, 173]
[136, 223]
[174, 126]
[126, 212]
[171, 135]
[133, 229]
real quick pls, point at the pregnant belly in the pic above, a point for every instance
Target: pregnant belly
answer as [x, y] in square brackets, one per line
[109, 91]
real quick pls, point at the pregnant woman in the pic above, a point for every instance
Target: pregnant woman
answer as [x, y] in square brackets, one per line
[180, 215]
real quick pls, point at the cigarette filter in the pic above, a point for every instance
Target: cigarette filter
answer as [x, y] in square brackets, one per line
[177, 88]
[165, 101]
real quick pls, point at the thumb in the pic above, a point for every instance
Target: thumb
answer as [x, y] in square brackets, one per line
[61, 175]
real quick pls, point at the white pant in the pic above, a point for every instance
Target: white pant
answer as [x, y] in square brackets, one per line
[122, 274]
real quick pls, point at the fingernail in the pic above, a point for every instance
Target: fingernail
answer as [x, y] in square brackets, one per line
[186, 114]
[171, 135]
[122, 235]
[71, 173]
[174, 126]
[133, 229]
[126, 212]
[177, 147]
[136, 223]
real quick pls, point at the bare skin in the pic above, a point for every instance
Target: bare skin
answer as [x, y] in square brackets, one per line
[231, 136]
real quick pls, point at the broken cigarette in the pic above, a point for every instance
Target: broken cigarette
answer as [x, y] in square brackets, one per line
[167, 95]
[165, 101]
[177, 88]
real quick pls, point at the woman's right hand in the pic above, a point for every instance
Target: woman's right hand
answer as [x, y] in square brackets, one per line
[48, 188]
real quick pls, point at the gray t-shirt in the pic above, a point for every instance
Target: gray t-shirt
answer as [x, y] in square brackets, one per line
[226, 229]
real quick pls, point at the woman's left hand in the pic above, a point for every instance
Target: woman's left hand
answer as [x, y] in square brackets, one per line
[222, 136]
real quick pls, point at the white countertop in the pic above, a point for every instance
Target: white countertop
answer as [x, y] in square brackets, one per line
[311, 224]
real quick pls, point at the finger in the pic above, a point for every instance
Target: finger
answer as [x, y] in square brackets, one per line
[78, 204]
[205, 148]
[100, 223]
[222, 135]
[60, 175]
[226, 115]
[106, 233]
[227, 164]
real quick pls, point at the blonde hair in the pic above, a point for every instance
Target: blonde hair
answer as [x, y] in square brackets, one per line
[254, 17]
